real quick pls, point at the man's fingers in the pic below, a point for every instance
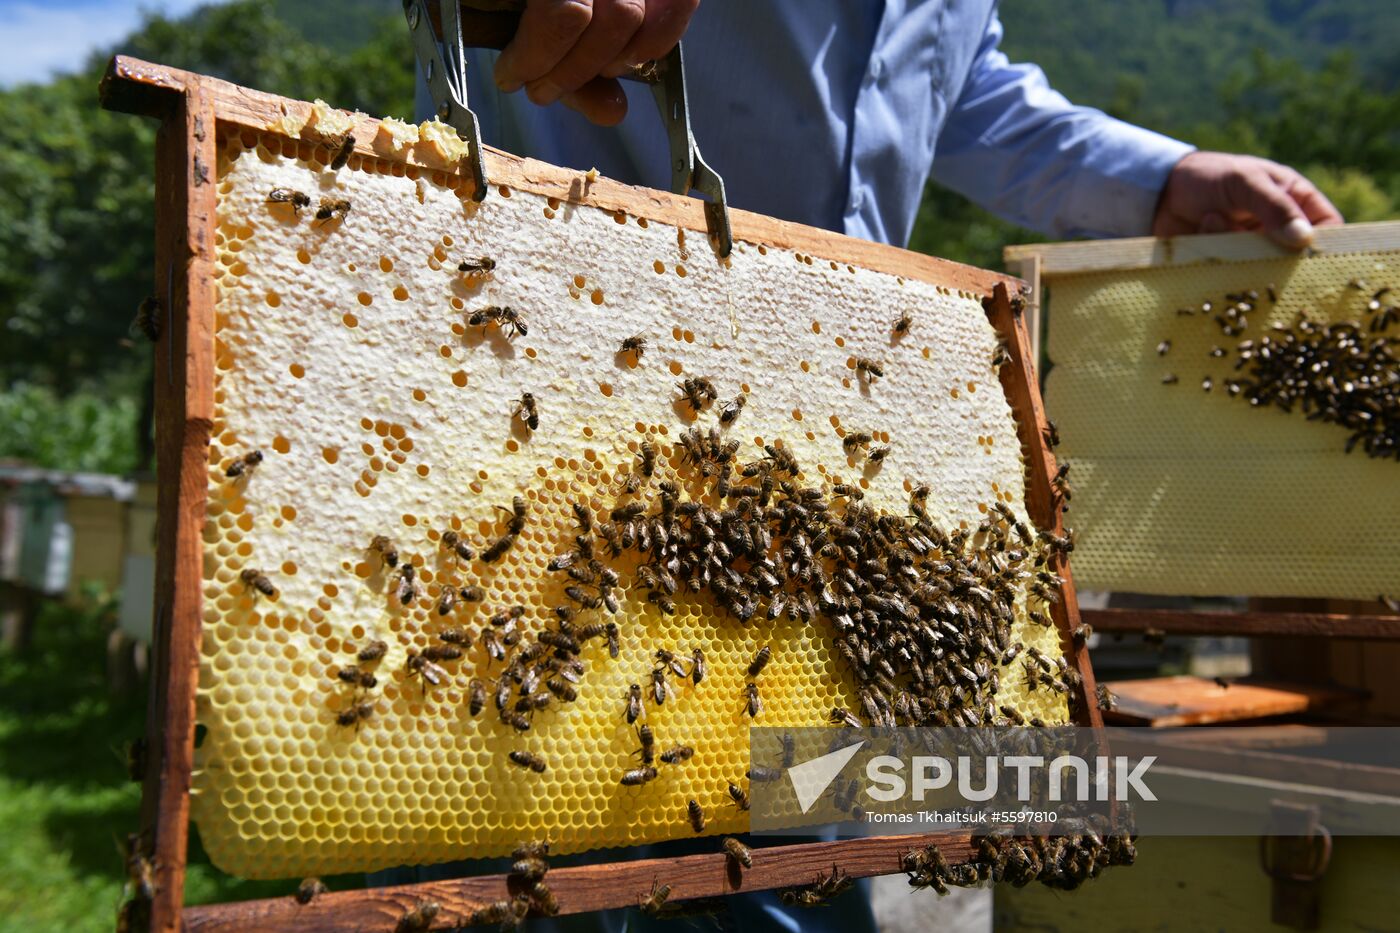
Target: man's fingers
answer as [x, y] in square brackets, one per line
[1314, 204]
[548, 30]
[665, 23]
[610, 29]
[601, 100]
[1255, 190]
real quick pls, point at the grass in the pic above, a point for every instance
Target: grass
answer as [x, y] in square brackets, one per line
[66, 803]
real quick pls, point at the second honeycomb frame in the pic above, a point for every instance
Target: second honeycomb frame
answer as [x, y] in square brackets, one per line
[193, 111]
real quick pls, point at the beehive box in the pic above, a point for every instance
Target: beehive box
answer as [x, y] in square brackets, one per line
[1193, 492]
[345, 353]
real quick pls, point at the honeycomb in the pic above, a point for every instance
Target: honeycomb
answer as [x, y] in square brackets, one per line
[345, 355]
[1185, 492]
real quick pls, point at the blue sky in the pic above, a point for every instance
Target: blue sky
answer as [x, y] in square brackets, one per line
[39, 38]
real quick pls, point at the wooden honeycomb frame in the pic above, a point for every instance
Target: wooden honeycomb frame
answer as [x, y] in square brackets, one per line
[1041, 264]
[192, 110]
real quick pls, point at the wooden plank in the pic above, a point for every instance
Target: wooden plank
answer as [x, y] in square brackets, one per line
[184, 380]
[1193, 701]
[1147, 252]
[1250, 624]
[1018, 380]
[578, 889]
[1028, 269]
[136, 86]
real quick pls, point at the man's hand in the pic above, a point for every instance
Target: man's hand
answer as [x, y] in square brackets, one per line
[573, 50]
[1211, 192]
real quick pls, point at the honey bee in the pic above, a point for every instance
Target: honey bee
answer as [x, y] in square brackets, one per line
[613, 646]
[658, 685]
[1107, 701]
[347, 146]
[668, 659]
[698, 392]
[842, 717]
[1060, 483]
[354, 715]
[527, 411]
[139, 869]
[442, 653]
[353, 675]
[329, 208]
[648, 747]
[738, 852]
[634, 702]
[1163, 347]
[639, 776]
[419, 919]
[483, 265]
[732, 409]
[407, 589]
[1051, 433]
[498, 548]
[878, 454]
[753, 702]
[471, 594]
[901, 326]
[739, 796]
[476, 694]
[789, 749]
[454, 542]
[296, 199]
[446, 600]
[562, 689]
[385, 549]
[1392, 604]
[528, 760]
[868, 370]
[529, 869]
[372, 651]
[147, 319]
[1000, 356]
[653, 903]
[697, 816]
[507, 319]
[309, 889]
[855, 441]
[697, 665]
[1170, 379]
[425, 668]
[760, 661]
[256, 580]
[244, 464]
[635, 345]
[677, 754]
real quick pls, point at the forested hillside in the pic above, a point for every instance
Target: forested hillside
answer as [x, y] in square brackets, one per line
[1315, 84]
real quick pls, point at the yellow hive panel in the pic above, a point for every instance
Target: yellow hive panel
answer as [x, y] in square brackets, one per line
[343, 353]
[1180, 491]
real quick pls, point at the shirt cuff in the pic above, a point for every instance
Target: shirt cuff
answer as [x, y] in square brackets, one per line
[1116, 191]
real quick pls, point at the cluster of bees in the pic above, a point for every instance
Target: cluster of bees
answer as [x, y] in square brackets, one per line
[1345, 373]
[1064, 862]
[922, 617]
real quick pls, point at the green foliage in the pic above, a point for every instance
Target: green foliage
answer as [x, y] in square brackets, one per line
[85, 430]
[65, 802]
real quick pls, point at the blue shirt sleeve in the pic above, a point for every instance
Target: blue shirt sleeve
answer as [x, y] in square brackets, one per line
[1018, 148]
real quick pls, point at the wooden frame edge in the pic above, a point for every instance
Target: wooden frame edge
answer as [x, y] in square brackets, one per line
[136, 86]
[579, 889]
[1018, 380]
[184, 374]
[1248, 624]
[1130, 253]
